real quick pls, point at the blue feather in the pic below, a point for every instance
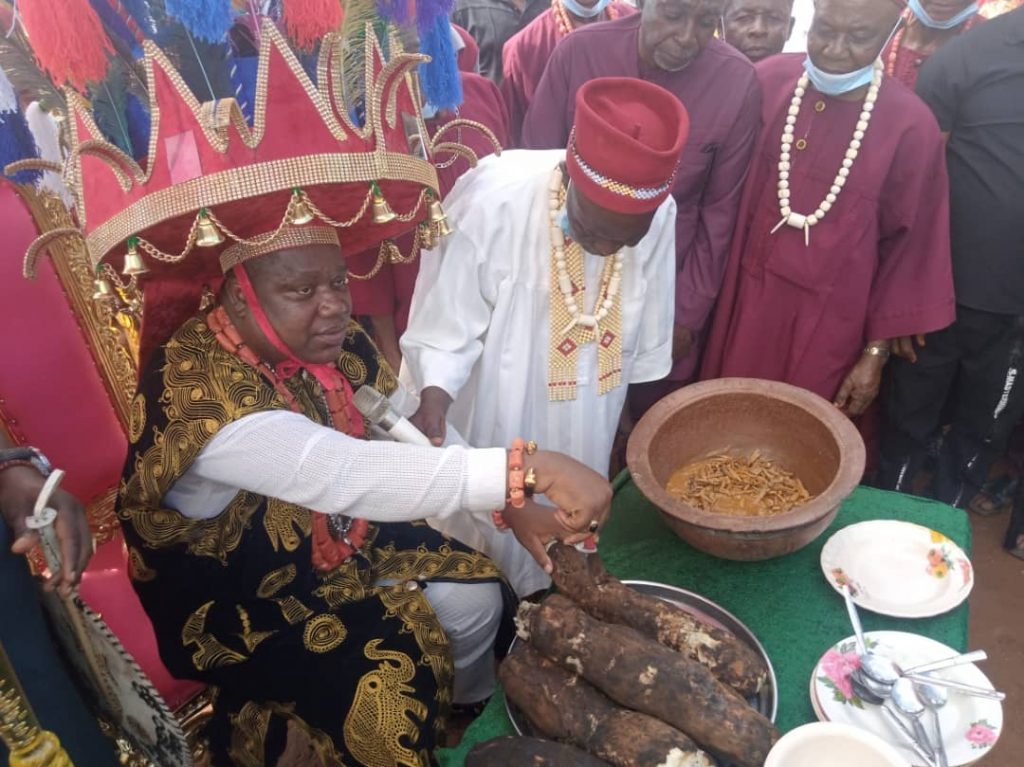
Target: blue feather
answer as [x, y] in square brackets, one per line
[139, 10]
[243, 78]
[137, 117]
[207, 20]
[442, 85]
[17, 143]
[115, 25]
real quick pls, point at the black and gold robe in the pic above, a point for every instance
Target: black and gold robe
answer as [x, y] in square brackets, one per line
[365, 670]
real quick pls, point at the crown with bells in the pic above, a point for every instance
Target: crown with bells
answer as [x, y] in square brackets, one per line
[212, 183]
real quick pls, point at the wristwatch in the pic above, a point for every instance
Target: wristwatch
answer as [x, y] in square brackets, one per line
[21, 456]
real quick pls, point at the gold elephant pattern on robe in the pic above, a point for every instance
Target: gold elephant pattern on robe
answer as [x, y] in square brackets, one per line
[380, 714]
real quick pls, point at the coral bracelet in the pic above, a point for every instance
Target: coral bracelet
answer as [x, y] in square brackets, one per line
[517, 475]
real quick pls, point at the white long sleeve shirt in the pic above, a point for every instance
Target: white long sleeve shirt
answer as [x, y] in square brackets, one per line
[479, 324]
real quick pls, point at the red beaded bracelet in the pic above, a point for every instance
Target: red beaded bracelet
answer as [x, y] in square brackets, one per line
[516, 479]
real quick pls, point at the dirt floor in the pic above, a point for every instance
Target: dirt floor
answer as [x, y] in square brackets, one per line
[997, 626]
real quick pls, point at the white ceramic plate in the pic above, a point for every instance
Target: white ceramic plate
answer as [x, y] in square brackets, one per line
[970, 726]
[898, 568]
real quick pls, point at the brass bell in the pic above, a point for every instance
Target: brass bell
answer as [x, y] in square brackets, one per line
[102, 290]
[301, 214]
[133, 263]
[439, 219]
[207, 233]
[382, 213]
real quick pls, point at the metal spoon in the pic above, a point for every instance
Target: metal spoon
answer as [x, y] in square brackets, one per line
[956, 660]
[934, 698]
[897, 720]
[906, 701]
[851, 610]
[878, 668]
[959, 687]
[878, 695]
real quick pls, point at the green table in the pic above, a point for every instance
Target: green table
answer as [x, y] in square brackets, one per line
[786, 602]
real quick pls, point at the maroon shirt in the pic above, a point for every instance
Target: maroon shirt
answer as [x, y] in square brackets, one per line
[722, 95]
[524, 58]
[878, 265]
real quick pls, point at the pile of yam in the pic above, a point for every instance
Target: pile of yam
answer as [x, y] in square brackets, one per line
[616, 677]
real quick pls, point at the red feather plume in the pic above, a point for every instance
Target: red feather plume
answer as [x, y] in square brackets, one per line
[67, 39]
[307, 21]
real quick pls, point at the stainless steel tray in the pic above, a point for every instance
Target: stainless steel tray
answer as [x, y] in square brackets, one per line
[766, 701]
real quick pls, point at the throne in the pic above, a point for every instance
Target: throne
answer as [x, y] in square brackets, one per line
[66, 387]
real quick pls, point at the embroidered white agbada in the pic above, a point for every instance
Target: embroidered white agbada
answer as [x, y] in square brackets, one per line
[479, 325]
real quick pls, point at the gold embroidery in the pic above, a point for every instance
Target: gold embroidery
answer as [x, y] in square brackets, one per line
[210, 653]
[286, 524]
[275, 580]
[249, 729]
[418, 618]
[293, 610]
[421, 563]
[379, 718]
[137, 420]
[248, 735]
[344, 585]
[137, 568]
[252, 639]
[324, 633]
[353, 368]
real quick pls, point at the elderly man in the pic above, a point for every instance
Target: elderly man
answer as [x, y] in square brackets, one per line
[671, 44]
[526, 54]
[929, 24]
[758, 28]
[969, 376]
[842, 243]
[556, 290]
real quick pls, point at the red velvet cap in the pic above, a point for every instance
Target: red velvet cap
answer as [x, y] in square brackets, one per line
[626, 143]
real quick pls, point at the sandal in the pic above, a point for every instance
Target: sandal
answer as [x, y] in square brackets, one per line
[995, 497]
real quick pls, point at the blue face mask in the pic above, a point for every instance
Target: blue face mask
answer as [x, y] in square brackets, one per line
[925, 18]
[576, 9]
[837, 85]
[564, 224]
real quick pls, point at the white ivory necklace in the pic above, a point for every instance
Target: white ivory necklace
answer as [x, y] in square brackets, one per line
[611, 276]
[800, 220]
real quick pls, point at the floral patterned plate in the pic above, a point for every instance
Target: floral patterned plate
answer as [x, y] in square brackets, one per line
[970, 726]
[898, 568]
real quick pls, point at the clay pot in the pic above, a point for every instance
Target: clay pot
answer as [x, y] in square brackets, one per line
[797, 429]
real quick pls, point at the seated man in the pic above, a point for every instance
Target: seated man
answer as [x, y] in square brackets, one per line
[758, 28]
[282, 557]
[557, 289]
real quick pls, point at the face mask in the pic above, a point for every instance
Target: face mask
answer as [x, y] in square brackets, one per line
[564, 224]
[837, 85]
[925, 18]
[576, 9]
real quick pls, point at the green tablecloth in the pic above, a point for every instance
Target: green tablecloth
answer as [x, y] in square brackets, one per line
[786, 602]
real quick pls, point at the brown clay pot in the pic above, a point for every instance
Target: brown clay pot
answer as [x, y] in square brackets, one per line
[799, 430]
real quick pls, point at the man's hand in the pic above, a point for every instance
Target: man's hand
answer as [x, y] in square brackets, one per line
[535, 526]
[431, 418]
[860, 387]
[904, 346]
[682, 342]
[19, 488]
[580, 493]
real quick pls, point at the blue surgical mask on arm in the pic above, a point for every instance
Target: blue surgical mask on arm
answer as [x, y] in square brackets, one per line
[576, 9]
[925, 18]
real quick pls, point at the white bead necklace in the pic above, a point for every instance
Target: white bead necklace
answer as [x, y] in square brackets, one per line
[611, 277]
[799, 220]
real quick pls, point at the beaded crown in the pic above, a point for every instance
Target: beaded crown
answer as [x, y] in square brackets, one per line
[211, 181]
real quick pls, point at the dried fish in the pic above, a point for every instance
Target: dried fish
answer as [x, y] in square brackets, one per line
[751, 486]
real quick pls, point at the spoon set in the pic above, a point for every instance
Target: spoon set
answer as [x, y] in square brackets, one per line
[905, 695]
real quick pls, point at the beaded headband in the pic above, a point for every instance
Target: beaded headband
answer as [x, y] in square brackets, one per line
[618, 187]
[292, 237]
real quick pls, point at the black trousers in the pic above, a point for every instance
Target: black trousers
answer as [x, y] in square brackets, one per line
[969, 376]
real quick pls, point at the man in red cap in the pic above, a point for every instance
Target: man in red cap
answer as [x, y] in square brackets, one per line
[557, 288]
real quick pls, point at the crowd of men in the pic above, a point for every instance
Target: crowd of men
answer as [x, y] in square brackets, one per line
[676, 200]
